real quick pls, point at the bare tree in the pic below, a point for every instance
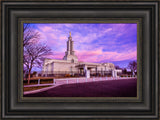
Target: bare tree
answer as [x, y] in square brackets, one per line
[34, 55]
[34, 51]
[29, 34]
[133, 66]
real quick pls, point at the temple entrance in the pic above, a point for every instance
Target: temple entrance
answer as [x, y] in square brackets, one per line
[81, 71]
[86, 70]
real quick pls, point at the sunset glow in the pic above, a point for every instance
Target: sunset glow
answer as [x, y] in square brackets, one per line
[116, 43]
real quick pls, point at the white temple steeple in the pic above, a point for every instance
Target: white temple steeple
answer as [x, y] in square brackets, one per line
[69, 54]
[70, 50]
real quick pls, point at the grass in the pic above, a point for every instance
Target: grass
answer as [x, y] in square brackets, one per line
[46, 81]
[34, 88]
[33, 82]
[36, 78]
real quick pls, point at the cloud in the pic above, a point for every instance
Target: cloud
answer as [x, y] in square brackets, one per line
[46, 29]
[56, 55]
[98, 56]
[92, 42]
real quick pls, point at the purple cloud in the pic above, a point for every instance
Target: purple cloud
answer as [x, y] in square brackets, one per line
[92, 42]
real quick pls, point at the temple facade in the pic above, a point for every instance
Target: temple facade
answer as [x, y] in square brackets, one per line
[70, 64]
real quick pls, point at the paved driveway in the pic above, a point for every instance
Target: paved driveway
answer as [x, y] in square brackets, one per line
[110, 88]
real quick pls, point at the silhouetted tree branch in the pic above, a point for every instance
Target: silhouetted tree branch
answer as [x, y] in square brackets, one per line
[29, 34]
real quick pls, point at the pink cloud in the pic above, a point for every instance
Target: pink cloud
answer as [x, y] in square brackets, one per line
[98, 56]
[45, 28]
[56, 55]
[87, 41]
[63, 38]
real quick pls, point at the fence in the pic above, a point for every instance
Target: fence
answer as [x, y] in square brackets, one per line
[75, 73]
[77, 80]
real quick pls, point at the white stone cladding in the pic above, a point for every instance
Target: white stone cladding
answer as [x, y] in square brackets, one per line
[65, 67]
[52, 65]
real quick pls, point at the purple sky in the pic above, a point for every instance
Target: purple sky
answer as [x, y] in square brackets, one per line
[98, 43]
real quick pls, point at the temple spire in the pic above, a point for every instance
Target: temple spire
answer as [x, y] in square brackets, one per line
[70, 47]
[69, 54]
[69, 34]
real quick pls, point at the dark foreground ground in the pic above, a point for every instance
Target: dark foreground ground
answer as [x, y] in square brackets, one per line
[112, 88]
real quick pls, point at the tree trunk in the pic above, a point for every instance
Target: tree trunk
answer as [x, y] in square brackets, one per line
[132, 73]
[29, 76]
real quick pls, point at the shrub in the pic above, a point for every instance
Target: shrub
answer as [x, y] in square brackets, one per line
[34, 73]
[109, 75]
[67, 75]
[39, 75]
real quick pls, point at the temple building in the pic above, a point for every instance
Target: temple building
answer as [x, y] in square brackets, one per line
[70, 64]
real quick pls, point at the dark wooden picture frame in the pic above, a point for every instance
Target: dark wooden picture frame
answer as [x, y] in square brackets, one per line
[14, 106]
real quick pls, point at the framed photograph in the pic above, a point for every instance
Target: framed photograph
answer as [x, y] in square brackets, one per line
[85, 69]
[80, 60]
